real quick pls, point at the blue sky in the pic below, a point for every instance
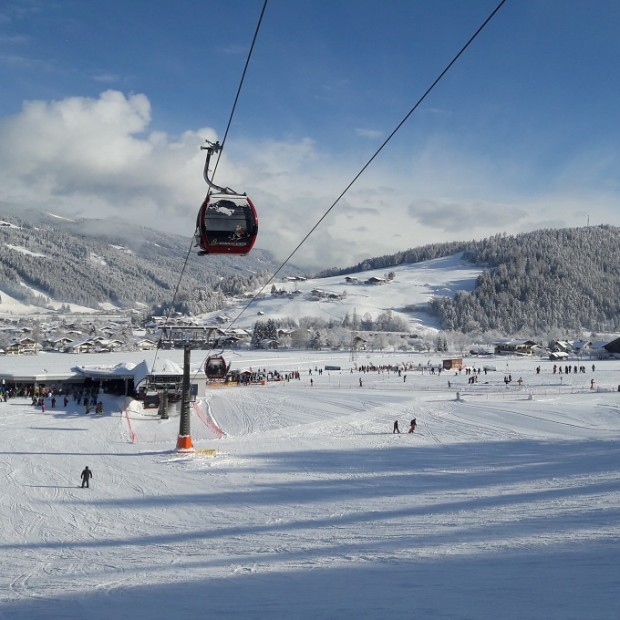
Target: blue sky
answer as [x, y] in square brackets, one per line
[104, 106]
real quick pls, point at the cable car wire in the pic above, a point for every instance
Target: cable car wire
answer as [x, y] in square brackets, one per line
[230, 119]
[375, 155]
[377, 152]
[241, 81]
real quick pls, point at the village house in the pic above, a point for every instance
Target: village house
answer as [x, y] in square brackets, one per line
[512, 346]
[85, 346]
[375, 280]
[22, 346]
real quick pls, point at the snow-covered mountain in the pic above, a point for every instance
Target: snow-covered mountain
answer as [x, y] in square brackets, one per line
[49, 261]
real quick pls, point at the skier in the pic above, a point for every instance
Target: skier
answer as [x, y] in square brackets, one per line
[86, 475]
[412, 426]
[396, 429]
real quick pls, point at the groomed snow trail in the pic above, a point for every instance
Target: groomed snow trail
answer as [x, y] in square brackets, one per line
[312, 508]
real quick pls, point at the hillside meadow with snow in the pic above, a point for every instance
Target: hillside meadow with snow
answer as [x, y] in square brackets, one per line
[504, 502]
[406, 295]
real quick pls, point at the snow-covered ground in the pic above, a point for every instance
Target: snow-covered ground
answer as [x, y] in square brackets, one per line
[504, 504]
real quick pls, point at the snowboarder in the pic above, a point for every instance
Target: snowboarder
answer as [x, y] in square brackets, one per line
[412, 426]
[86, 475]
[396, 429]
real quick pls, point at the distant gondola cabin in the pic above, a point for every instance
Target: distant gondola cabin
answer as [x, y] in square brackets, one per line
[216, 368]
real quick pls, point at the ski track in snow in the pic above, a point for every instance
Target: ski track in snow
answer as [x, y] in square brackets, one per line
[312, 496]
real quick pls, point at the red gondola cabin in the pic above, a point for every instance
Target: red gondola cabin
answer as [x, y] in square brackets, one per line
[227, 224]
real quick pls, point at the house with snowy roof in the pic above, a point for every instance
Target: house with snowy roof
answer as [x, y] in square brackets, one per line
[514, 346]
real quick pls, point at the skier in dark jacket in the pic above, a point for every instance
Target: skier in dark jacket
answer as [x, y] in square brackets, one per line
[412, 426]
[87, 474]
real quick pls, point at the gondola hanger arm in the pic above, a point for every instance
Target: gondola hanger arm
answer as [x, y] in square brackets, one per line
[211, 148]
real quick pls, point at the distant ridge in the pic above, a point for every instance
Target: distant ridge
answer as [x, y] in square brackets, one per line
[93, 262]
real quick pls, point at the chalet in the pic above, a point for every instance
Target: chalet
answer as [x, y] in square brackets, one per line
[320, 293]
[375, 280]
[23, 346]
[103, 345]
[60, 344]
[576, 347]
[85, 346]
[268, 343]
[28, 345]
[146, 344]
[512, 346]
[13, 348]
[351, 280]
[323, 294]
[560, 346]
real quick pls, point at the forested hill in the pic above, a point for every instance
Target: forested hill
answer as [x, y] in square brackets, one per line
[534, 282]
[93, 262]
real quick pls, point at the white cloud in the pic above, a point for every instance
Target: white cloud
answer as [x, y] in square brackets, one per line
[98, 158]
